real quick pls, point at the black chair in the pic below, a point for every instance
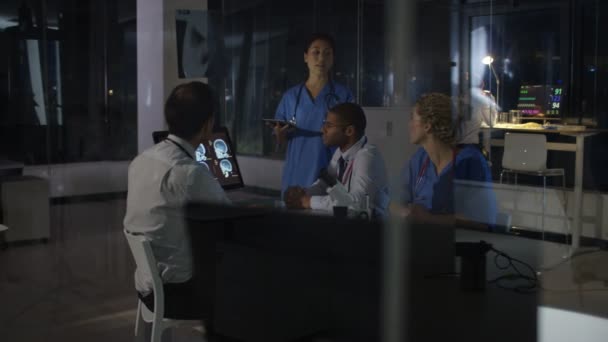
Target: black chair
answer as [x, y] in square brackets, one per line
[159, 136]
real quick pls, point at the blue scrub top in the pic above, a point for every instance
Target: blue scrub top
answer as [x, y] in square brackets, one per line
[436, 192]
[306, 153]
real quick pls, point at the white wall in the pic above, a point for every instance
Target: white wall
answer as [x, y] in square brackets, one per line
[387, 129]
[150, 77]
[157, 62]
[171, 78]
[76, 179]
[524, 204]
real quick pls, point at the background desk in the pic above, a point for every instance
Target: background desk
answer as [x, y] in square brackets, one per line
[578, 147]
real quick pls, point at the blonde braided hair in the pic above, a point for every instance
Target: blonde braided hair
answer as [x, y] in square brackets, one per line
[436, 110]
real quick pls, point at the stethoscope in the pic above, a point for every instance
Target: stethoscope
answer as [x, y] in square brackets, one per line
[329, 97]
[349, 169]
[181, 148]
[425, 166]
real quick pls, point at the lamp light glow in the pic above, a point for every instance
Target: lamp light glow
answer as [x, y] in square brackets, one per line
[487, 60]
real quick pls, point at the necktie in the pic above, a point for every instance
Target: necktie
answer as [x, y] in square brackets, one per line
[341, 168]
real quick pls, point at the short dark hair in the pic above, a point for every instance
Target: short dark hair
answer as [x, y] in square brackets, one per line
[320, 36]
[189, 107]
[351, 114]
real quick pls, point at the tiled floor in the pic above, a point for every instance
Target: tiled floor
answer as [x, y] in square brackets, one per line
[79, 286]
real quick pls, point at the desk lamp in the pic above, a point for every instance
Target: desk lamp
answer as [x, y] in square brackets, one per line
[487, 60]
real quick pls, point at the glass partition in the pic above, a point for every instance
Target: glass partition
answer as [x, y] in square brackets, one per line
[68, 82]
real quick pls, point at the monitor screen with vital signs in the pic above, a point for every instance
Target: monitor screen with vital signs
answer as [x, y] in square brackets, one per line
[540, 100]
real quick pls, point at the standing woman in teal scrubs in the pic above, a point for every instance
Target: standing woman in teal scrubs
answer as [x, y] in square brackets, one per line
[305, 107]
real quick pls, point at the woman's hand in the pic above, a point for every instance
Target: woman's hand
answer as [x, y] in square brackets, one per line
[419, 213]
[413, 211]
[280, 133]
[399, 210]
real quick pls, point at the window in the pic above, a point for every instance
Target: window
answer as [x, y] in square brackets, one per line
[536, 60]
[68, 81]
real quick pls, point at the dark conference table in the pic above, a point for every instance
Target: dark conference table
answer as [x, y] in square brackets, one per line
[282, 276]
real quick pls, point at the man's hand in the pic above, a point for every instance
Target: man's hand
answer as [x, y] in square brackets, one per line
[305, 201]
[295, 198]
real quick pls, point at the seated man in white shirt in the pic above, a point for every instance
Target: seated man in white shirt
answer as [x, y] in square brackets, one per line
[356, 164]
[161, 180]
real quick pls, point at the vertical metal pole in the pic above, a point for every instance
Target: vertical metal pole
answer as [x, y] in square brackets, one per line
[578, 191]
[359, 49]
[399, 29]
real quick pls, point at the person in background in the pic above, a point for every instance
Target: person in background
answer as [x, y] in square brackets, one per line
[356, 164]
[305, 106]
[161, 180]
[443, 182]
[483, 114]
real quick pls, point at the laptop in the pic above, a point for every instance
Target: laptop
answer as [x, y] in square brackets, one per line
[217, 154]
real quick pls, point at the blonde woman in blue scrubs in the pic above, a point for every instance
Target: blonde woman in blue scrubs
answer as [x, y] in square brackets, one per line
[305, 106]
[429, 192]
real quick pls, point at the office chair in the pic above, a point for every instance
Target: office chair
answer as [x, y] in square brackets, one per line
[527, 154]
[145, 261]
[158, 136]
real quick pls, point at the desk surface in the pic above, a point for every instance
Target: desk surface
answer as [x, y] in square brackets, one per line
[245, 197]
[555, 129]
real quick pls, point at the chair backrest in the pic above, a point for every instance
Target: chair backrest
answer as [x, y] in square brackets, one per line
[158, 136]
[525, 152]
[144, 259]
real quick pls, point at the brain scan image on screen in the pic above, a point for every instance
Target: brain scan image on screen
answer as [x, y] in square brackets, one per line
[221, 149]
[200, 154]
[226, 167]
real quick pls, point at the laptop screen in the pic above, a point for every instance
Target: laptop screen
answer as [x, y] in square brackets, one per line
[216, 154]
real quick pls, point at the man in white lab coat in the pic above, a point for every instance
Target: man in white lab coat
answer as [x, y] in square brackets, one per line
[161, 180]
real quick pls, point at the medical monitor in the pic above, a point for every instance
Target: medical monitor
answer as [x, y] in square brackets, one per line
[216, 154]
[540, 100]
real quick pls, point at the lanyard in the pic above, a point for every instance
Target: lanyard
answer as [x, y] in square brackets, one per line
[181, 148]
[425, 166]
[328, 97]
[349, 168]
